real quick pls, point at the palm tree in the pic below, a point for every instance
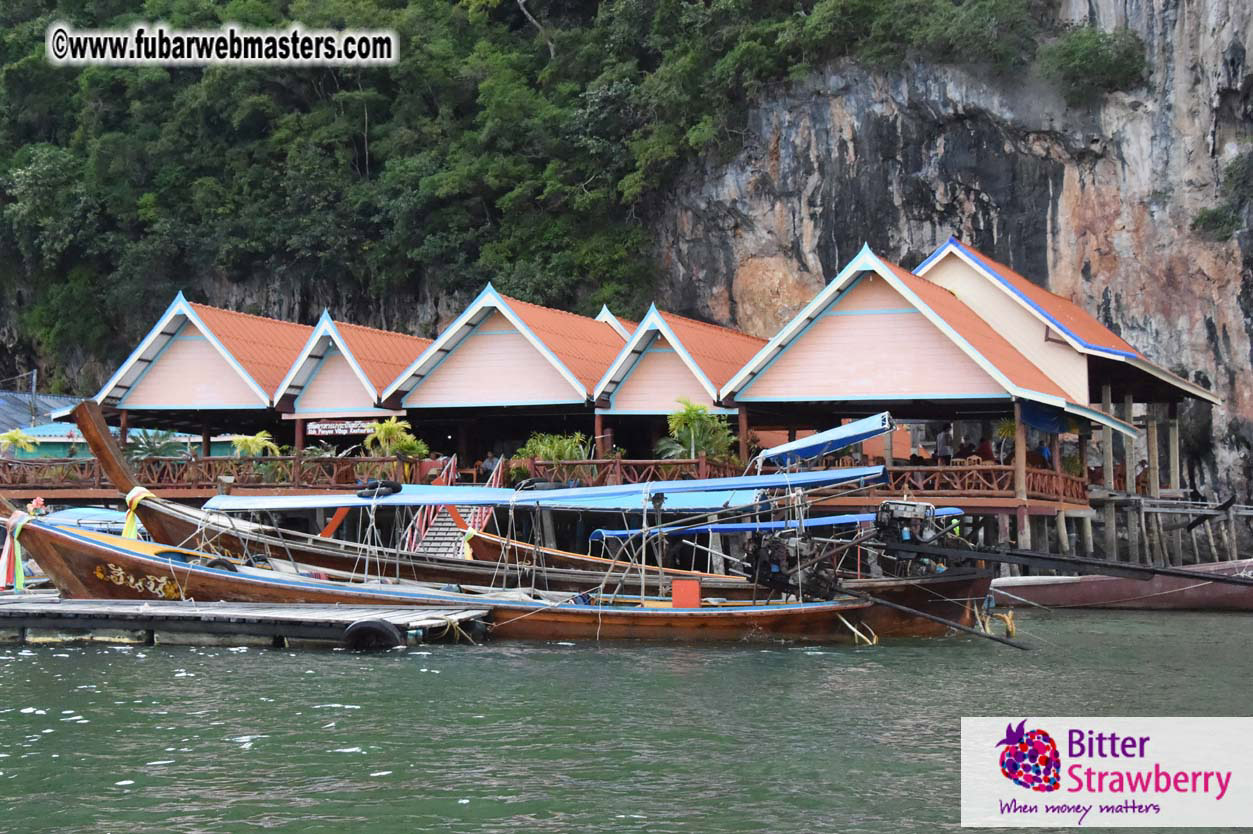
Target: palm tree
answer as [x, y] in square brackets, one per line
[16, 438]
[254, 445]
[143, 445]
[693, 430]
[389, 437]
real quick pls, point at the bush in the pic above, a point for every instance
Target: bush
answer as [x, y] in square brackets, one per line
[1086, 62]
[1220, 222]
[1217, 223]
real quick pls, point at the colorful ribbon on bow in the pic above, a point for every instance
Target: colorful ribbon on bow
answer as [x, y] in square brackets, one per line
[130, 528]
[12, 573]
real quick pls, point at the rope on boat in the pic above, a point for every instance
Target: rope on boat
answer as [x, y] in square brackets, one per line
[857, 635]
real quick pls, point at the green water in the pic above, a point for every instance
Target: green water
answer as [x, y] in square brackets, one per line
[565, 738]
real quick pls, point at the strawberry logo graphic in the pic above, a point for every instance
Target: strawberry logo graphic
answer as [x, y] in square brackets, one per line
[1030, 758]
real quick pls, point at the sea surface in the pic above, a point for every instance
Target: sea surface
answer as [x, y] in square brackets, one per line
[566, 737]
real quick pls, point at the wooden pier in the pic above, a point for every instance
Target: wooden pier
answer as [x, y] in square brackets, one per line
[45, 618]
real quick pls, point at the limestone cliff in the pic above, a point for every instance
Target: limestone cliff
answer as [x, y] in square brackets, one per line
[1094, 202]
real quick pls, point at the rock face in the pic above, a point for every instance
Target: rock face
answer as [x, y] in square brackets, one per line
[1094, 203]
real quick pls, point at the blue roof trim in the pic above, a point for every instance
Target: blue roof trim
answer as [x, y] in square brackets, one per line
[954, 243]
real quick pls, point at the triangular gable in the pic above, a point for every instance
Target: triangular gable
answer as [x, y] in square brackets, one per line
[1063, 317]
[651, 328]
[976, 339]
[324, 343]
[179, 315]
[488, 303]
[709, 353]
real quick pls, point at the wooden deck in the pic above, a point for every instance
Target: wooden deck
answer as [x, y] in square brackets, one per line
[44, 617]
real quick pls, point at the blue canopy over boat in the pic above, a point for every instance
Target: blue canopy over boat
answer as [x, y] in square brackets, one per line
[757, 526]
[94, 518]
[831, 440]
[695, 495]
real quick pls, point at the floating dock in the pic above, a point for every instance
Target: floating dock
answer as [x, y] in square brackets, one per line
[45, 618]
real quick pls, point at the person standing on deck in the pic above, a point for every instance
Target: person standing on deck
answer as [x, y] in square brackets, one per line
[944, 445]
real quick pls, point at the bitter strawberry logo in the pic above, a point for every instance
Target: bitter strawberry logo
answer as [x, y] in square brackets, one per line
[1030, 758]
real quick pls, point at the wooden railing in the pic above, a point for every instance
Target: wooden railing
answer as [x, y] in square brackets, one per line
[620, 471]
[956, 482]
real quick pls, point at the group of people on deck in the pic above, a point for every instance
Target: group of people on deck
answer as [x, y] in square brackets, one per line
[945, 452]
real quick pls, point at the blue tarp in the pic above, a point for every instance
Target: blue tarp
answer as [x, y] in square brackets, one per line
[92, 518]
[697, 494]
[831, 440]
[758, 526]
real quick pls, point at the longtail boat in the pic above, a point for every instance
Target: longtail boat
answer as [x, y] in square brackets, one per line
[94, 565]
[1160, 593]
[497, 560]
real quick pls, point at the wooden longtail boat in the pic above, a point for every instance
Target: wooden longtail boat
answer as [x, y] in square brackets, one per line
[88, 564]
[1161, 593]
[549, 568]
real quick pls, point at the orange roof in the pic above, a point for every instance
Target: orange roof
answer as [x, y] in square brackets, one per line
[719, 351]
[979, 334]
[382, 354]
[1068, 315]
[265, 347]
[584, 345]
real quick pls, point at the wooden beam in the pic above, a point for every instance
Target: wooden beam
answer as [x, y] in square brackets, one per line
[598, 432]
[742, 416]
[1020, 454]
[1155, 467]
[123, 431]
[1107, 466]
[1129, 446]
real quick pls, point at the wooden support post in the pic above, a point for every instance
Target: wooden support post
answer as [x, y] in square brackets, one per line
[1155, 467]
[1085, 534]
[1196, 548]
[123, 428]
[1233, 546]
[1055, 449]
[791, 433]
[206, 445]
[1020, 454]
[1213, 547]
[1063, 534]
[598, 432]
[1174, 472]
[1133, 535]
[1130, 462]
[1109, 512]
[300, 447]
[1152, 549]
[1024, 527]
[1002, 538]
[743, 420]
[1172, 447]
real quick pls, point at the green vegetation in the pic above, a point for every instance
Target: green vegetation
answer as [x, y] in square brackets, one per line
[694, 430]
[16, 439]
[1086, 62]
[522, 143]
[1222, 221]
[554, 447]
[391, 437]
[254, 445]
[153, 443]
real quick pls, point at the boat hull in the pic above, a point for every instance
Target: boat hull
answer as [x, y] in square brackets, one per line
[1161, 593]
[101, 566]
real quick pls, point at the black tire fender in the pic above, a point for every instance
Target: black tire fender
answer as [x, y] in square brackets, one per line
[222, 564]
[373, 634]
